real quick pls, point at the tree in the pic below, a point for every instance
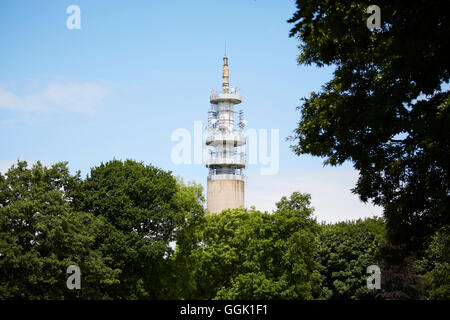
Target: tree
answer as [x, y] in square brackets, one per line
[119, 226]
[41, 235]
[435, 267]
[147, 210]
[399, 278]
[182, 273]
[255, 255]
[385, 109]
[346, 250]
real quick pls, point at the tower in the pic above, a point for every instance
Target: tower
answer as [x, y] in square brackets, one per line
[226, 161]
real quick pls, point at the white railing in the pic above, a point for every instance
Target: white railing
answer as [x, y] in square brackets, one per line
[223, 158]
[217, 96]
[233, 90]
[217, 135]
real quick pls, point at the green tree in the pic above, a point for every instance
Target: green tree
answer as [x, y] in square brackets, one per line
[399, 277]
[435, 267]
[385, 109]
[346, 250]
[147, 209]
[41, 235]
[255, 255]
[182, 282]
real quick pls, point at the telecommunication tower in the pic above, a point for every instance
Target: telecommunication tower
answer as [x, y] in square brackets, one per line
[226, 161]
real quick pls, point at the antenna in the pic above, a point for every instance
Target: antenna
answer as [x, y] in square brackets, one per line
[225, 47]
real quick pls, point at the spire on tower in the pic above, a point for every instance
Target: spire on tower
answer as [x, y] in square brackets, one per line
[225, 75]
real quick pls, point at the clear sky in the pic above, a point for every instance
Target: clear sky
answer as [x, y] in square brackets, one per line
[137, 71]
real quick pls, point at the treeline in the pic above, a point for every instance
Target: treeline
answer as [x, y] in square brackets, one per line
[137, 232]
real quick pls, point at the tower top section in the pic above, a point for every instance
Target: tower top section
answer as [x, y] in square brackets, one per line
[228, 94]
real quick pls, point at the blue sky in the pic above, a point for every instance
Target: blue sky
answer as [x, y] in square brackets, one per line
[138, 70]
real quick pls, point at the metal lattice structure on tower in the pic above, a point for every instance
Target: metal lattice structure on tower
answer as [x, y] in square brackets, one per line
[226, 162]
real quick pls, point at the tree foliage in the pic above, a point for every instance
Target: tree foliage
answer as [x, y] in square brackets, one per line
[146, 207]
[255, 255]
[346, 250]
[400, 278]
[137, 232]
[117, 225]
[41, 235]
[385, 108]
[435, 267]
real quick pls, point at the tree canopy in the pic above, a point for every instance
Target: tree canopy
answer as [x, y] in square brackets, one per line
[137, 232]
[385, 109]
[146, 208]
[41, 235]
[117, 225]
[255, 255]
[346, 250]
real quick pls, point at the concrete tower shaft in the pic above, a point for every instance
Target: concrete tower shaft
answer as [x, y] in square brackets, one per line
[226, 163]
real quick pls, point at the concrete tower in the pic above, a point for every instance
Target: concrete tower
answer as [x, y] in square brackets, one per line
[226, 162]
